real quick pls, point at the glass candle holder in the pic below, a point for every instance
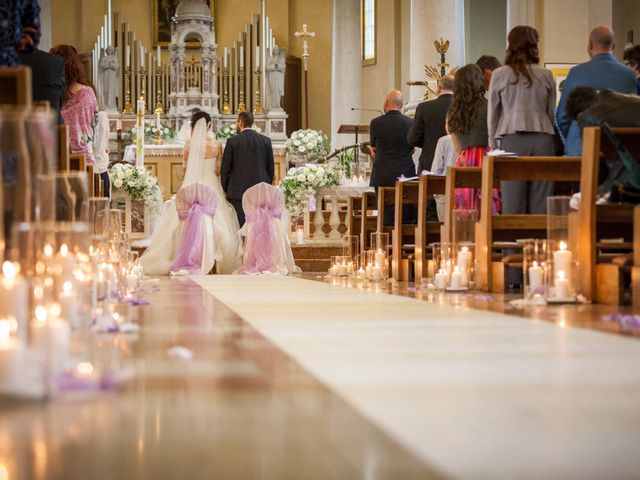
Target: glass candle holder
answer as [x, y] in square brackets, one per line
[376, 269]
[344, 265]
[464, 226]
[534, 265]
[334, 266]
[351, 246]
[62, 196]
[557, 220]
[464, 265]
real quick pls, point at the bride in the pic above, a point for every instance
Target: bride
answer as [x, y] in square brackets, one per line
[222, 245]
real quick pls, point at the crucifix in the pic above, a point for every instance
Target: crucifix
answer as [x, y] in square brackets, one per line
[305, 58]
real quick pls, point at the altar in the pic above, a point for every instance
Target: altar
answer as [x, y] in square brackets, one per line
[166, 163]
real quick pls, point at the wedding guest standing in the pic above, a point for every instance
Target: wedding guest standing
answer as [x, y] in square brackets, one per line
[602, 71]
[47, 77]
[522, 97]
[79, 107]
[20, 27]
[428, 124]
[631, 57]
[467, 124]
[488, 63]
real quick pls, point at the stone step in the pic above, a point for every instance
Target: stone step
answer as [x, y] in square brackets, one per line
[311, 265]
[315, 251]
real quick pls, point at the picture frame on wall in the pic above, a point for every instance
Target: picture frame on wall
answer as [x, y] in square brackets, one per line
[560, 72]
[163, 11]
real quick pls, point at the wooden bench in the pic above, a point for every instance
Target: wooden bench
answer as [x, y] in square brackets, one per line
[427, 232]
[600, 280]
[403, 235]
[369, 221]
[507, 228]
[15, 86]
[63, 148]
[354, 215]
[457, 177]
[385, 197]
[635, 270]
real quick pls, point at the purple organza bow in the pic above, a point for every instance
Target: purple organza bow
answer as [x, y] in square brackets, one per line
[263, 204]
[192, 203]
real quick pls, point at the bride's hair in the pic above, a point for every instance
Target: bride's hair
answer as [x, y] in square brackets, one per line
[197, 116]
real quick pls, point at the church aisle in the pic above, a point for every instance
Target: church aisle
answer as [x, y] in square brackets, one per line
[239, 409]
[475, 394]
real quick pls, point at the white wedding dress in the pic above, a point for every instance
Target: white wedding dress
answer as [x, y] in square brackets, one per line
[222, 243]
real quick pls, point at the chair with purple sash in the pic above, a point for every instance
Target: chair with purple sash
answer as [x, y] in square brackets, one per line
[196, 205]
[267, 247]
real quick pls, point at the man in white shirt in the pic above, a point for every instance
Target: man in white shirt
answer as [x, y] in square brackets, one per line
[444, 157]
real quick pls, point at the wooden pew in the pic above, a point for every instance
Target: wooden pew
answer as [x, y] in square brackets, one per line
[635, 270]
[15, 86]
[427, 232]
[77, 162]
[403, 235]
[492, 228]
[386, 197]
[597, 221]
[63, 148]
[354, 215]
[369, 219]
[457, 177]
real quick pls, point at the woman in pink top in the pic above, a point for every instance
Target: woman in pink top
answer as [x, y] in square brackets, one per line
[79, 107]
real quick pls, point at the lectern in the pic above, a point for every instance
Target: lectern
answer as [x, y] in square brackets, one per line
[354, 129]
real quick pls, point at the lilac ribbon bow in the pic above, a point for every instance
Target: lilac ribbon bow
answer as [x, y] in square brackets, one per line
[261, 252]
[193, 202]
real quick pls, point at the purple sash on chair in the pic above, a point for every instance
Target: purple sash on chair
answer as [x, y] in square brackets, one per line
[192, 203]
[263, 204]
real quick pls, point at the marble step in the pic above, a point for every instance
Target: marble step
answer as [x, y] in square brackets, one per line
[314, 266]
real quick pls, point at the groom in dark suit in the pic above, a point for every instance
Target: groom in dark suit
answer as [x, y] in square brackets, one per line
[247, 161]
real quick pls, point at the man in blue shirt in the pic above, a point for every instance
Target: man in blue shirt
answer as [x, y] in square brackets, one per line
[603, 71]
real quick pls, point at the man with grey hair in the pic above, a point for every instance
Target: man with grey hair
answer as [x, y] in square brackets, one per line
[603, 71]
[429, 123]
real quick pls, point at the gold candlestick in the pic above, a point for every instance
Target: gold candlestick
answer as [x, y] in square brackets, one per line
[159, 108]
[226, 109]
[128, 108]
[241, 105]
[257, 110]
[143, 75]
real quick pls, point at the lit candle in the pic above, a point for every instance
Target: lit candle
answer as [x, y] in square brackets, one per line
[68, 303]
[127, 56]
[380, 257]
[535, 276]
[241, 56]
[159, 56]
[51, 336]
[350, 268]
[300, 234]
[456, 278]
[225, 57]
[66, 261]
[142, 57]
[101, 286]
[563, 288]
[343, 270]
[464, 257]
[132, 281]
[5, 333]
[562, 260]
[441, 279]
[361, 273]
[377, 272]
[369, 270]
[257, 58]
[158, 120]
[14, 298]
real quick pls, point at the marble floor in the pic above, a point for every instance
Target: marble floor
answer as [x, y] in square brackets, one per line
[295, 378]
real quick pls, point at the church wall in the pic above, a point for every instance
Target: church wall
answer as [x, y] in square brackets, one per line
[486, 31]
[626, 16]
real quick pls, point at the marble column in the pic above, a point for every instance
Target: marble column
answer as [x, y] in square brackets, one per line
[430, 20]
[346, 68]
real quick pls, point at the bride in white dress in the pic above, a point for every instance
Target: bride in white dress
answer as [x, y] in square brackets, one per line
[222, 245]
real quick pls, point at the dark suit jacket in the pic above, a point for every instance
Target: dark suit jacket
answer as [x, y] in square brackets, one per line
[47, 76]
[388, 135]
[428, 127]
[247, 161]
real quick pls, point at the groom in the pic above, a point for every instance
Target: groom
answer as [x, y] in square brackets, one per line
[247, 161]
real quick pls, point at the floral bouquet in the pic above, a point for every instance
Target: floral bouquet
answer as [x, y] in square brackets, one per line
[230, 130]
[309, 145]
[303, 182]
[138, 183]
[151, 131]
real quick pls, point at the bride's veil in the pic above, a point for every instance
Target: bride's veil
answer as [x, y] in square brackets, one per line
[197, 149]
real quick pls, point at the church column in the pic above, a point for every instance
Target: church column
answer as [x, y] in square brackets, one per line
[346, 68]
[430, 20]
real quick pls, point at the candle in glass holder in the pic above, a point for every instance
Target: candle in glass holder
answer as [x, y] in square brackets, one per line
[68, 303]
[14, 297]
[464, 257]
[51, 336]
[300, 235]
[562, 260]
[380, 257]
[66, 261]
[132, 281]
[456, 278]
[535, 276]
[441, 279]
[562, 286]
[369, 270]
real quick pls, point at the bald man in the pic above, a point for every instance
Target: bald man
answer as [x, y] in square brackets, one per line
[603, 71]
[392, 152]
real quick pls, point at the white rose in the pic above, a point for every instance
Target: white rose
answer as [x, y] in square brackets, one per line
[311, 177]
[166, 131]
[117, 183]
[128, 172]
[141, 169]
[300, 177]
[296, 143]
[302, 149]
[320, 171]
[131, 184]
[149, 181]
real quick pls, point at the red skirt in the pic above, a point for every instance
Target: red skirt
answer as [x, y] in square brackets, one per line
[469, 198]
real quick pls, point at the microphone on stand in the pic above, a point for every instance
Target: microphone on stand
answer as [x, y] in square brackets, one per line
[367, 110]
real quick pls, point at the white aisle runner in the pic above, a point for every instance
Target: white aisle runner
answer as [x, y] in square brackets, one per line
[475, 394]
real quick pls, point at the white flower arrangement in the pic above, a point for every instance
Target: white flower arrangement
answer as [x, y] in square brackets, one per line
[230, 130]
[138, 183]
[302, 182]
[308, 144]
[151, 130]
